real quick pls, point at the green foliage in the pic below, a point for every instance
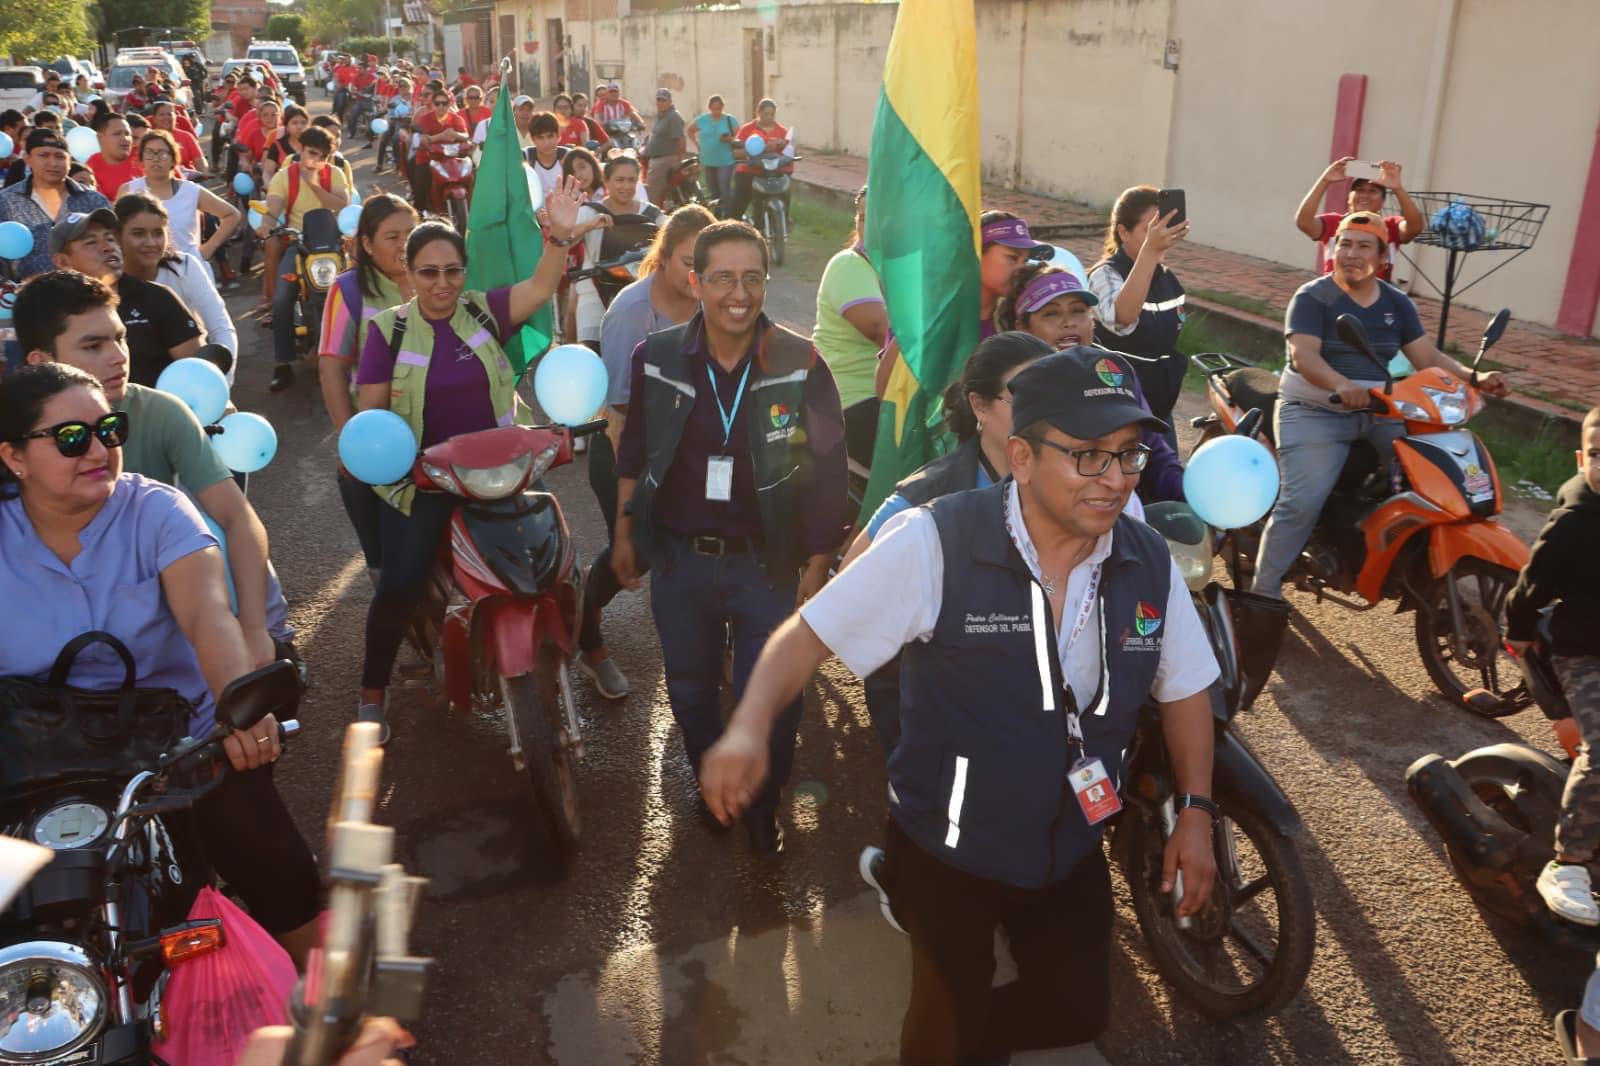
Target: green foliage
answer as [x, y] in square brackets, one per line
[376, 45]
[189, 18]
[45, 29]
[334, 20]
[291, 28]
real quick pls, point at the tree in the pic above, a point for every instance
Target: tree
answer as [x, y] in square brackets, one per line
[334, 20]
[191, 18]
[289, 28]
[45, 29]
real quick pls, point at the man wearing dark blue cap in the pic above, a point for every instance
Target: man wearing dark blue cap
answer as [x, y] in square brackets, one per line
[1033, 619]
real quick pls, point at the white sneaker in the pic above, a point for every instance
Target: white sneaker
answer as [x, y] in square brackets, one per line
[871, 867]
[1567, 892]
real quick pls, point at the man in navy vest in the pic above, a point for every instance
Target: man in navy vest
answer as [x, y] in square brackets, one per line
[731, 490]
[1033, 620]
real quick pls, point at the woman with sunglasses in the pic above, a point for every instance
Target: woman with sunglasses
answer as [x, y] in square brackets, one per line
[92, 548]
[437, 361]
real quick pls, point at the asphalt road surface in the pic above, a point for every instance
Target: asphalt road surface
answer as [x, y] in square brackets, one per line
[660, 941]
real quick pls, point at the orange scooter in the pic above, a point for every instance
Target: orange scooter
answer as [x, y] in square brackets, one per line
[1423, 533]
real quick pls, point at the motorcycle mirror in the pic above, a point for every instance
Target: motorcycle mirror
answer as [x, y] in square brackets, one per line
[274, 689]
[1493, 332]
[1353, 333]
[216, 354]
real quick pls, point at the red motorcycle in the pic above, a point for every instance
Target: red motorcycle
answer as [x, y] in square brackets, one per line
[450, 191]
[502, 622]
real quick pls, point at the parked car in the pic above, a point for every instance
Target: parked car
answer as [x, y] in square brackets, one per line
[18, 85]
[285, 63]
[69, 67]
[138, 61]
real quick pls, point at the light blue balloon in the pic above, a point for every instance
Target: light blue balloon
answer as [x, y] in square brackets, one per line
[754, 145]
[377, 447]
[402, 110]
[199, 384]
[380, 126]
[1060, 257]
[349, 219]
[222, 542]
[82, 143]
[247, 442]
[7, 146]
[570, 384]
[16, 240]
[1231, 481]
[244, 184]
[253, 217]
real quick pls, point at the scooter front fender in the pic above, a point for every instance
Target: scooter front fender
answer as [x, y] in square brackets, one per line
[1488, 540]
[1238, 777]
[517, 626]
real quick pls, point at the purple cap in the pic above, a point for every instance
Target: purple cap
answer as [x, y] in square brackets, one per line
[1046, 287]
[1011, 232]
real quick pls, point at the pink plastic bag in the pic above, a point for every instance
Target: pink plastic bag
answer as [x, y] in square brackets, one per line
[213, 1003]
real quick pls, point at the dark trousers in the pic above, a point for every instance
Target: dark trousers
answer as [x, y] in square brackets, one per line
[1060, 937]
[743, 186]
[697, 600]
[251, 841]
[421, 182]
[364, 509]
[283, 300]
[861, 430]
[601, 585]
[410, 544]
[387, 142]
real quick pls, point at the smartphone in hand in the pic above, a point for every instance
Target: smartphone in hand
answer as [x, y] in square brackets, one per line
[1359, 169]
[1169, 200]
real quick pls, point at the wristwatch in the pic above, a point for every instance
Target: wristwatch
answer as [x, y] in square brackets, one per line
[1186, 800]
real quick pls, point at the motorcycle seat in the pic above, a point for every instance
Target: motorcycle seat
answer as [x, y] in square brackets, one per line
[1251, 388]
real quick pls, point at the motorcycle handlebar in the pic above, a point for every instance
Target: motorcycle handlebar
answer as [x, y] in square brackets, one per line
[589, 428]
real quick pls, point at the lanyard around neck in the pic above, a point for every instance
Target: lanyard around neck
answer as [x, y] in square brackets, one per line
[724, 413]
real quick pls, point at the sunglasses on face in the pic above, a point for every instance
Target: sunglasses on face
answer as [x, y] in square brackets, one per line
[72, 438]
[431, 274]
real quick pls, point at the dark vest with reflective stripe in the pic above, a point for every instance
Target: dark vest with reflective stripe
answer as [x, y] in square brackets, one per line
[978, 778]
[779, 454]
[1152, 347]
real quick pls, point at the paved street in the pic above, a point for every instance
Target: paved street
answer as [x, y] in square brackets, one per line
[659, 941]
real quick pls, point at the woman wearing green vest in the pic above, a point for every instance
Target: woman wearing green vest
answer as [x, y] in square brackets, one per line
[437, 361]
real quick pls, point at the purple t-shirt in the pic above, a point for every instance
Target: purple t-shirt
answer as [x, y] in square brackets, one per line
[456, 397]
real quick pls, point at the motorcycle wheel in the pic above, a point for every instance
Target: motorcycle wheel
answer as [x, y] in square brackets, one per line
[1483, 587]
[1249, 952]
[458, 215]
[1525, 791]
[775, 230]
[533, 702]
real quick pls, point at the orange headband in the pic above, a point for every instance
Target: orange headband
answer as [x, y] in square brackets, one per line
[1365, 222]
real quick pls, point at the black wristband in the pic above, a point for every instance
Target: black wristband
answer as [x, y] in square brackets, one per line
[1186, 800]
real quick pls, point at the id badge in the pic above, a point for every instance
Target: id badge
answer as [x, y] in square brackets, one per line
[719, 478]
[1093, 788]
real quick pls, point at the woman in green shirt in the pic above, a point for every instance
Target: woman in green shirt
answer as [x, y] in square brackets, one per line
[852, 327]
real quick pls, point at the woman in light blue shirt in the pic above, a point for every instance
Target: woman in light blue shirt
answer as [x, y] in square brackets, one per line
[88, 547]
[712, 135]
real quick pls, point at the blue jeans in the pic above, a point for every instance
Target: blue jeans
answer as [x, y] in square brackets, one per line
[697, 600]
[283, 301]
[1313, 444]
[719, 186]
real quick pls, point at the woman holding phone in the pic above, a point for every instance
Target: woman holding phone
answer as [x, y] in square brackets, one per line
[1140, 307]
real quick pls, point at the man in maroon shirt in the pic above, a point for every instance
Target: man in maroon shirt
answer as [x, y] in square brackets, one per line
[731, 486]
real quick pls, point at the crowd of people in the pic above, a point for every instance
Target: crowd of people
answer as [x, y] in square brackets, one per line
[723, 474]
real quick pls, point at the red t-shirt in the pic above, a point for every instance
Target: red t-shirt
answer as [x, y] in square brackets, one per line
[182, 121]
[386, 89]
[249, 122]
[466, 80]
[189, 152]
[750, 128]
[109, 177]
[366, 78]
[575, 132]
[1330, 226]
[476, 115]
[428, 124]
[345, 73]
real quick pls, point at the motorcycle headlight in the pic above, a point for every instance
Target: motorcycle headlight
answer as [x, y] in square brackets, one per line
[498, 482]
[771, 162]
[1410, 411]
[52, 1001]
[322, 269]
[1453, 406]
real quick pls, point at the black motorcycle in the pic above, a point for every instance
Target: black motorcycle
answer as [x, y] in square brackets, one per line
[1496, 807]
[623, 247]
[317, 254]
[1249, 951]
[89, 944]
[769, 200]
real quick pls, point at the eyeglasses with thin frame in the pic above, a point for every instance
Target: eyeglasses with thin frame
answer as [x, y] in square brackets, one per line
[72, 438]
[724, 281]
[1092, 462]
[156, 153]
[431, 274]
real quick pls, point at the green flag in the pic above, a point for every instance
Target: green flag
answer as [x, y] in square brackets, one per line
[503, 238]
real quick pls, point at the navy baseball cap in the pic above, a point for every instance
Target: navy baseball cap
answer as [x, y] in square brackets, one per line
[1083, 391]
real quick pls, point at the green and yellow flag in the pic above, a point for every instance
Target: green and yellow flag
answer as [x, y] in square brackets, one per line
[922, 224]
[503, 237]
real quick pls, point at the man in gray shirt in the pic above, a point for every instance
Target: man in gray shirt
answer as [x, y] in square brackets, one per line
[664, 151]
